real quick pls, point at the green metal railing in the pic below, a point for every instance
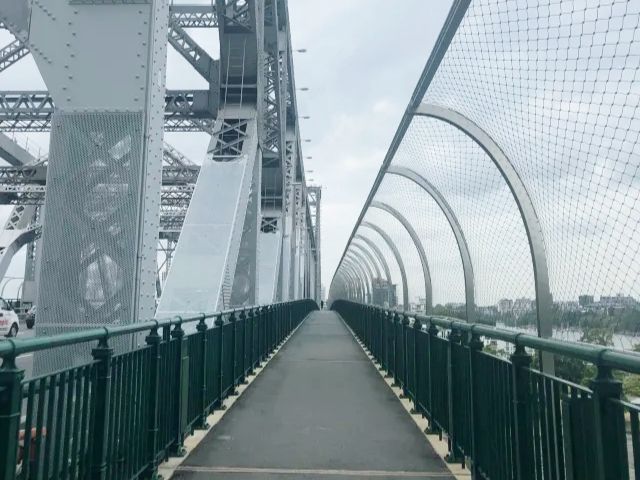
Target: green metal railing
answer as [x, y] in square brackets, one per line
[119, 416]
[502, 417]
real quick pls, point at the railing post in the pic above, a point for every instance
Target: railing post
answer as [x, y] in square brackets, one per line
[201, 328]
[454, 338]
[432, 332]
[405, 355]
[243, 355]
[387, 320]
[520, 363]
[250, 324]
[153, 340]
[394, 322]
[417, 367]
[183, 386]
[475, 346]
[234, 353]
[10, 404]
[611, 438]
[102, 387]
[220, 324]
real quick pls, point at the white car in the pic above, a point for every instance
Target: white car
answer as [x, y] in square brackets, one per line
[8, 320]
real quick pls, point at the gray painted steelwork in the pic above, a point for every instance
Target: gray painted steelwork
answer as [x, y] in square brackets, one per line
[103, 141]
[522, 199]
[396, 253]
[465, 256]
[428, 292]
[231, 250]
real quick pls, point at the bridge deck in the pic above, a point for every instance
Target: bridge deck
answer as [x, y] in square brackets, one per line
[319, 410]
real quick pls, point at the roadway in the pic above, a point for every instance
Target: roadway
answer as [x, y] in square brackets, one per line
[24, 361]
[318, 410]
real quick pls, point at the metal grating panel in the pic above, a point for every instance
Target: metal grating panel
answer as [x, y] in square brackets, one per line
[89, 240]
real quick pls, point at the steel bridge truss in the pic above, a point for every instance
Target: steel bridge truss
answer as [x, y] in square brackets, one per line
[258, 242]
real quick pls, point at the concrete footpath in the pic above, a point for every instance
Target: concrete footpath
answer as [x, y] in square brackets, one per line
[319, 410]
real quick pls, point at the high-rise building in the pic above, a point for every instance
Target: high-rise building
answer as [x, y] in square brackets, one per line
[505, 305]
[585, 300]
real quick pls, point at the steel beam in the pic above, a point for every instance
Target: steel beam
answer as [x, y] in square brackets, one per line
[194, 16]
[31, 111]
[193, 53]
[14, 154]
[12, 53]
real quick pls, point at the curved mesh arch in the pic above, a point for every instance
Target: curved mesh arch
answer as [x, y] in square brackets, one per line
[390, 259]
[370, 257]
[438, 241]
[371, 268]
[407, 249]
[555, 84]
[488, 214]
[364, 270]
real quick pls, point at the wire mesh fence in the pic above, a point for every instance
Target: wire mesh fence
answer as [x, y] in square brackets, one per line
[535, 133]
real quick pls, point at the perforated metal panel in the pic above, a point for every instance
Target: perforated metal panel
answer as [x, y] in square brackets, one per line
[89, 239]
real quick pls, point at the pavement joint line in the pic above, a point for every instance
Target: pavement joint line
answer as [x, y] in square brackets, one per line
[323, 361]
[173, 464]
[438, 444]
[313, 471]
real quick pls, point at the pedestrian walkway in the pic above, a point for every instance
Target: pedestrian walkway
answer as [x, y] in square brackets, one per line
[320, 410]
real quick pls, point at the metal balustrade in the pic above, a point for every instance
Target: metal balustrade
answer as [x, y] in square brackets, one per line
[119, 416]
[502, 417]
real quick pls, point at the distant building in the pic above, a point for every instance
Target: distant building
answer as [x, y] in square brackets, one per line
[618, 302]
[522, 306]
[384, 293]
[455, 306]
[422, 304]
[490, 310]
[585, 300]
[569, 306]
[505, 306]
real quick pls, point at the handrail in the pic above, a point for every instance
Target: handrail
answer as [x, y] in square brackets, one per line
[19, 346]
[504, 418]
[119, 413]
[598, 355]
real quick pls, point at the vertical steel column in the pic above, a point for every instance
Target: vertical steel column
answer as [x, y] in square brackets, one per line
[105, 160]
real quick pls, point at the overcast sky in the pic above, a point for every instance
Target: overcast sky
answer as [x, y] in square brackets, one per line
[362, 62]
